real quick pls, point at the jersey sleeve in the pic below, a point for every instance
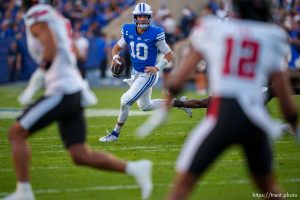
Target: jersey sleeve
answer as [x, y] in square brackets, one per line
[124, 32]
[38, 14]
[163, 47]
[122, 42]
[160, 34]
[199, 35]
[281, 50]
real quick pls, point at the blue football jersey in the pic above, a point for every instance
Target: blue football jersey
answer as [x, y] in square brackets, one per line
[143, 51]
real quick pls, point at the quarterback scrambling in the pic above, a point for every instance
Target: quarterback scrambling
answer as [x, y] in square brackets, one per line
[144, 41]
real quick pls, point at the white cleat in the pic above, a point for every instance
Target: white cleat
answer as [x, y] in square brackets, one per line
[142, 173]
[111, 137]
[20, 196]
[188, 111]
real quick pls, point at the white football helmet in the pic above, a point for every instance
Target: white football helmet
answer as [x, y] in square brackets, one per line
[142, 9]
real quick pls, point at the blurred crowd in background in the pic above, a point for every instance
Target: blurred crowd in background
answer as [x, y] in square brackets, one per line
[89, 17]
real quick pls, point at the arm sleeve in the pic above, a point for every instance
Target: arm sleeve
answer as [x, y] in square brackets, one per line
[281, 47]
[198, 37]
[163, 46]
[122, 42]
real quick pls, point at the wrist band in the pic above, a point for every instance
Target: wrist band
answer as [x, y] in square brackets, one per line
[45, 64]
[161, 64]
[116, 59]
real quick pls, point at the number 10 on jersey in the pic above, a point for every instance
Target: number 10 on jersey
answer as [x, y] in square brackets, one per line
[139, 50]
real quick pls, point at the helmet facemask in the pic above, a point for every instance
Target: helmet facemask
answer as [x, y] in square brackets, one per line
[142, 9]
[143, 24]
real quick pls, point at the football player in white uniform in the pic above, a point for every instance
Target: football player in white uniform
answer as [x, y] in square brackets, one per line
[144, 41]
[50, 44]
[267, 93]
[241, 55]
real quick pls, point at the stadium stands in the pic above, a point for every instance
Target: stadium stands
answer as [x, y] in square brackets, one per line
[96, 20]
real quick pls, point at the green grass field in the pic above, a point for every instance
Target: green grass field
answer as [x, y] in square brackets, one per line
[53, 175]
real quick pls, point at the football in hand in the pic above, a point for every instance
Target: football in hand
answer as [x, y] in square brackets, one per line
[117, 68]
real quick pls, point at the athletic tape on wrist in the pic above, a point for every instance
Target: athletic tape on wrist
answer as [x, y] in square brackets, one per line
[161, 64]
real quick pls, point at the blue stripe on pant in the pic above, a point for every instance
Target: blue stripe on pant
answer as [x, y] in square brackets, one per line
[148, 84]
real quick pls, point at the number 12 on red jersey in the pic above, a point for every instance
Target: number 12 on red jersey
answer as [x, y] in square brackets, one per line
[246, 64]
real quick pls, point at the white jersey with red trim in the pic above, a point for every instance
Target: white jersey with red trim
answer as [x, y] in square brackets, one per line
[62, 77]
[240, 56]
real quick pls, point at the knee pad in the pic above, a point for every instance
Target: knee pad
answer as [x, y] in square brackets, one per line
[144, 107]
[124, 99]
[124, 110]
[124, 102]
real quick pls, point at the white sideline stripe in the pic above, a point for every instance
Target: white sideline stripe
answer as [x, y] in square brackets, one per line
[61, 147]
[72, 190]
[164, 163]
[112, 112]
[58, 148]
[97, 125]
[133, 187]
[5, 154]
[11, 114]
[10, 169]
[38, 168]
[284, 142]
